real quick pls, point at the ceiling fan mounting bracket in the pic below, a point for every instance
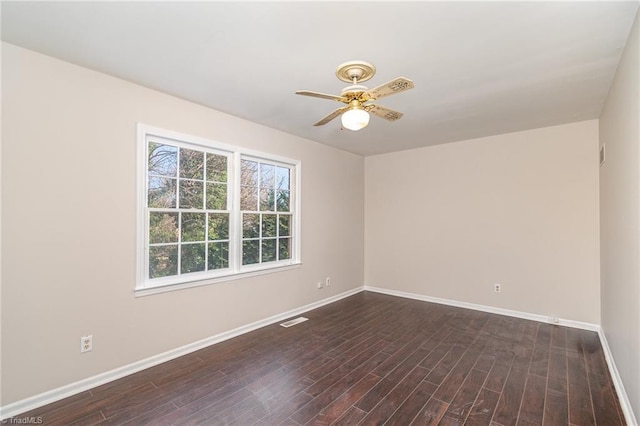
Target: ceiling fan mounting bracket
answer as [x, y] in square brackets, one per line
[355, 71]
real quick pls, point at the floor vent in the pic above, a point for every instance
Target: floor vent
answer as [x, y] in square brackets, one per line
[294, 322]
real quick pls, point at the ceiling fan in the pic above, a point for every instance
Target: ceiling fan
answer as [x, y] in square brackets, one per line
[355, 115]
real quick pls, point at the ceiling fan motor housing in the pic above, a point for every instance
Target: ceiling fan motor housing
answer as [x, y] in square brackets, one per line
[356, 91]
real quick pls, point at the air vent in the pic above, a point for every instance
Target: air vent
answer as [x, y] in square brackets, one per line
[293, 322]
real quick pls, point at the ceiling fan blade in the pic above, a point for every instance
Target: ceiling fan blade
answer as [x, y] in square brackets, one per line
[331, 116]
[322, 95]
[389, 88]
[386, 113]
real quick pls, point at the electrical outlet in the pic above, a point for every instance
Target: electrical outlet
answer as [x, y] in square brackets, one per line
[319, 284]
[496, 288]
[553, 319]
[327, 281]
[86, 343]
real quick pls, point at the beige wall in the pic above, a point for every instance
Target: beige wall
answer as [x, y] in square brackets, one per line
[620, 219]
[68, 212]
[518, 209]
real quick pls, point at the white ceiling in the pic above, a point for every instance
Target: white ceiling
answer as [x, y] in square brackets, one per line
[480, 68]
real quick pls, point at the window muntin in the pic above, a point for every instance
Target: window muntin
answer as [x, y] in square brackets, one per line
[192, 232]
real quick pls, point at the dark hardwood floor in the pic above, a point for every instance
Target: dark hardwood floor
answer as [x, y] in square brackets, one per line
[368, 359]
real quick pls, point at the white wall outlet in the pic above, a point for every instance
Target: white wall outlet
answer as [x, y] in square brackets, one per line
[319, 284]
[86, 343]
[327, 281]
[553, 319]
[496, 288]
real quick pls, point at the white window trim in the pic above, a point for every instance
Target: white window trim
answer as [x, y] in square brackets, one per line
[236, 270]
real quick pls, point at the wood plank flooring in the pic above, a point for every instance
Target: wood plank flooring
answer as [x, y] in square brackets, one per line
[368, 359]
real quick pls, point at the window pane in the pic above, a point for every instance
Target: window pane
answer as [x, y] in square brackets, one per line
[268, 225]
[269, 250]
[192, 259]
[193, 225]
[191, 194]
[163, 227]
[163, 261]
[218, 226]
[249, 173]
[217, 196]
[216, 168]
[267, 175]
[283, 201]
[250, 225]
[283, 225]
[162, 160]
[284, 248]
[267, 200]
[191, 164]
[282, 178]
[248, 198]
[218, 255]
[250, 252]
[162, 193]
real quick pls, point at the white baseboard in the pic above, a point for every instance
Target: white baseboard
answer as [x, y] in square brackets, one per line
[53, 395]
[625, 404]
[484, 308]
[615, 375]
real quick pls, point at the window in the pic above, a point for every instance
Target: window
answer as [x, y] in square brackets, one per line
[265, 194]
[209, 211]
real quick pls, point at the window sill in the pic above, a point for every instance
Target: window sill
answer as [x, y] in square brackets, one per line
[141, 292]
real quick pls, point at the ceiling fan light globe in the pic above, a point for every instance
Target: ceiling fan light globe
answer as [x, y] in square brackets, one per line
[355, 119]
